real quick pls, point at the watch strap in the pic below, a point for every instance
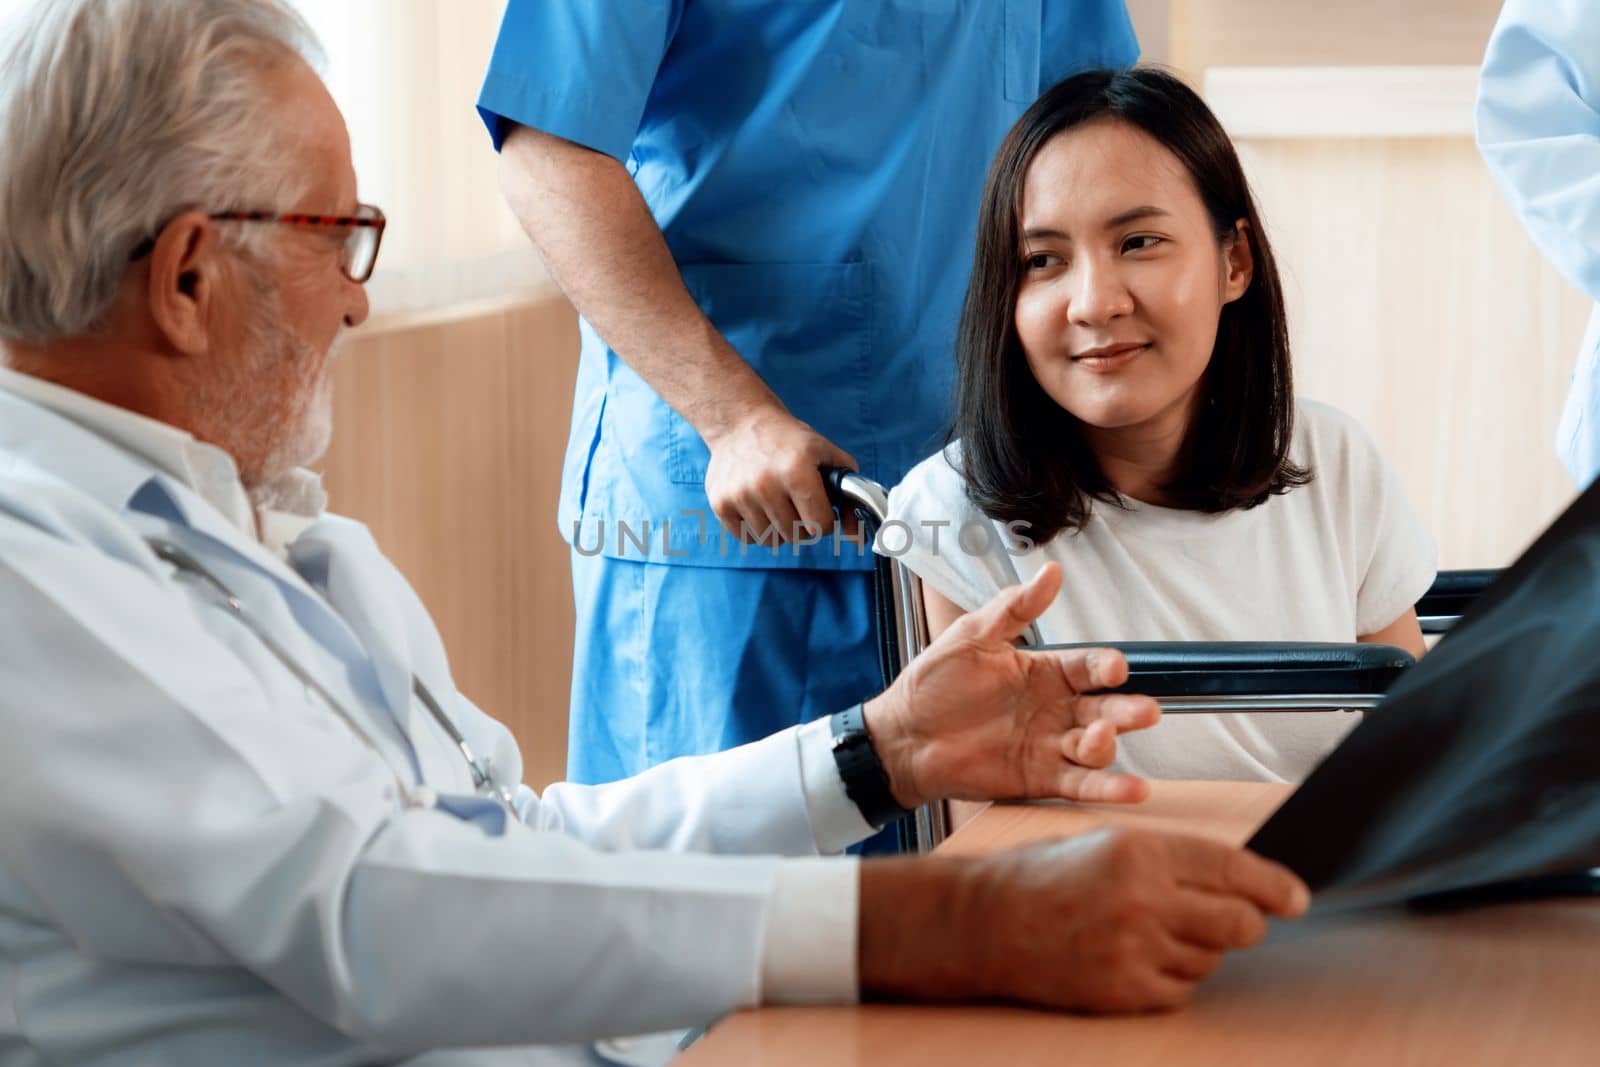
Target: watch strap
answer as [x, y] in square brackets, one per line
[865, 781]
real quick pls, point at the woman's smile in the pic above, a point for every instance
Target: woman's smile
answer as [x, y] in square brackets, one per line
[1108, 358]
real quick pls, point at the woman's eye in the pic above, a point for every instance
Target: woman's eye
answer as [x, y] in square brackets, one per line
[1140, 243]
[1038, 261]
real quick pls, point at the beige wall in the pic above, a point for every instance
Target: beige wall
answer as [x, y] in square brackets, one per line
[1417, 305]
[1195, 34]
[448, 445]
[1243, 33]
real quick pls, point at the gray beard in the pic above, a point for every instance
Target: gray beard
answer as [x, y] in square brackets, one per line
[272, 440]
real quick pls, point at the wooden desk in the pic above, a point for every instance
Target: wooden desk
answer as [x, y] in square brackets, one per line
[1509, 985]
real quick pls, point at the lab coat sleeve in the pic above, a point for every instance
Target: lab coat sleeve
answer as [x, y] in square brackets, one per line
[578, 69]
[1538, 127]
[156, 808]
[781, 795]
[709, 803]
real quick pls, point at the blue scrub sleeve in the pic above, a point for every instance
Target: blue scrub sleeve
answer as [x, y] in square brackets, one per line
[1083, 34]
[578, 69]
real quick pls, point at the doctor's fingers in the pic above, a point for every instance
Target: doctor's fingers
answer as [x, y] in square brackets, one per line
[1125, 712]
[1224, 870]
[1097, 786]
[1082, 670]
[1009, 613]
[1215, 921]
[1094, 745]
[1189, 962]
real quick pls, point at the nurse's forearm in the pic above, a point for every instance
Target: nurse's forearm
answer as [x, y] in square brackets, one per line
[604, 249]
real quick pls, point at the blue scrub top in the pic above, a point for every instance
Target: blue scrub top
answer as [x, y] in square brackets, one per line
[815, 167]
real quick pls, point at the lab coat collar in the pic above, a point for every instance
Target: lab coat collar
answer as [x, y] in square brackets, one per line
[118, 477]
[61, 446]
[113, 475]
[329, 569]
[207, 470]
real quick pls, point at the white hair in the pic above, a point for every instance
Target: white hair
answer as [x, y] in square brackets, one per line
[116, 116]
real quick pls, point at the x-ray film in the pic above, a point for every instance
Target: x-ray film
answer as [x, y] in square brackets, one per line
[1482, 764]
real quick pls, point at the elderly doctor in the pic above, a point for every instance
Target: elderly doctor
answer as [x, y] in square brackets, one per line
[245, 815]
[1538, 128]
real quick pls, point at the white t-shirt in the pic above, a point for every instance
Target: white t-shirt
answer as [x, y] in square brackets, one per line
[1330, 561]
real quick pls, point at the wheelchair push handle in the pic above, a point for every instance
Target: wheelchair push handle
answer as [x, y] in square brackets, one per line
[852, 492]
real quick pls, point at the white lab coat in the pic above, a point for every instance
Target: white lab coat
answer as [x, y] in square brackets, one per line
[1538, 128]
[201, 864]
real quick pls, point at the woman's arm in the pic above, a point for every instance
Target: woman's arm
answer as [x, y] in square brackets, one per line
[942, 612]
[1405, 632]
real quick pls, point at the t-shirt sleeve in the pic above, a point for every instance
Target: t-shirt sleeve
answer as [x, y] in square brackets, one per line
[578, 69]
[947, 542]
[1084, 34]
[1396, 551]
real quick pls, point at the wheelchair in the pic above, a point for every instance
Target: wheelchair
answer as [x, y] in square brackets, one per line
[1183, 677]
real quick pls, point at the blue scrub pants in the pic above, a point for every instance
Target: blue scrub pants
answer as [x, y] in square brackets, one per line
[673, 660]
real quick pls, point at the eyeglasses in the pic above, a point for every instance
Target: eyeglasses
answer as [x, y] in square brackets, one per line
[358, 254]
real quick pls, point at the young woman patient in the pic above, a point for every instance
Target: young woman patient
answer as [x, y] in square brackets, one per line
[1124, 406]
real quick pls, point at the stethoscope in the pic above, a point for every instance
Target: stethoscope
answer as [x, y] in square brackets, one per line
[421, 796]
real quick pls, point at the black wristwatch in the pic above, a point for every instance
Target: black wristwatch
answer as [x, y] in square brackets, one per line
[865, 780]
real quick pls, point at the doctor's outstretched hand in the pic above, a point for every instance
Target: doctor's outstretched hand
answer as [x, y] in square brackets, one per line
[1112, 921]
[974, 717]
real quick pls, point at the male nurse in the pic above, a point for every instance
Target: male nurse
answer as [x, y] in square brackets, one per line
[764, 213]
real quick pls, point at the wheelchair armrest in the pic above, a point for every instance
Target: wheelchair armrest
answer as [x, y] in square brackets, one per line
[1254, 668]
[1449, 597]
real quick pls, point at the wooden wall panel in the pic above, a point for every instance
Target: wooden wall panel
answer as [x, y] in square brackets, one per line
[1286, 33]
[1418, 305]
[1152, 24]
[1417, 302]
[447, 443]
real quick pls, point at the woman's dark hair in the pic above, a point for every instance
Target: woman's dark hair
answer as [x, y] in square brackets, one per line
[1023, 457]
